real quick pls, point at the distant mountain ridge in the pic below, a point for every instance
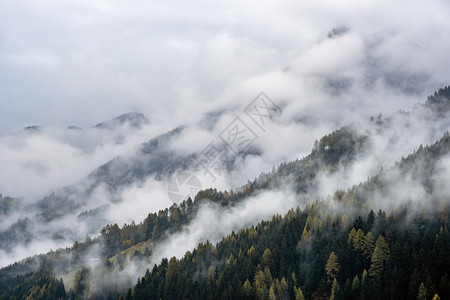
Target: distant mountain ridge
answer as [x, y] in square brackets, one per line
[132, 119]
[301, 237]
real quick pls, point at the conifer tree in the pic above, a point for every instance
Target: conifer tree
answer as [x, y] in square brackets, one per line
[332, 267]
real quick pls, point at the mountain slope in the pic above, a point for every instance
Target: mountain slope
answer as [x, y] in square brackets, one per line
[413, 182]
[293, 254]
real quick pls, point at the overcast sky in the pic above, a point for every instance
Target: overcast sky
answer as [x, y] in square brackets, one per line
[81, 62]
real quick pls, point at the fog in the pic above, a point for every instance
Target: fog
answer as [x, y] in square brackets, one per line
[85, 62]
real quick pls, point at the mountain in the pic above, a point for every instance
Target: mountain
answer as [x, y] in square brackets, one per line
[383, 237]
[294, 249]
[76, 200]
[8, 204]
[153, 159]
[341, 146]
[136, 120]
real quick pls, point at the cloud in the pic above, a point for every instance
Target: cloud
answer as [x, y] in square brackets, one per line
[36, 163]
[213, 222]
[87, 61]
[138, 201]
[21, 251]
[399, 136]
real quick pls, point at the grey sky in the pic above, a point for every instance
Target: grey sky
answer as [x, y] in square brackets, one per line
[80, 62]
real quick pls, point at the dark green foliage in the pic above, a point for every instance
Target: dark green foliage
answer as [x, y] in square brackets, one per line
[39, 285]
[344, 144]
[441, 96]
[234, 268]
[282, 256]
[311, 252]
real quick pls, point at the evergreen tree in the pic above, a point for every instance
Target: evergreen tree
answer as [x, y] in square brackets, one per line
[299, 294]
[356, 286]
[422, 294]
[379, 256]
[247, 287]
[332, 267]
[272, 293]
[335, 290]
[267, 258]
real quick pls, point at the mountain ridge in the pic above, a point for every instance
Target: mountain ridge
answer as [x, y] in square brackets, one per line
[334, 151]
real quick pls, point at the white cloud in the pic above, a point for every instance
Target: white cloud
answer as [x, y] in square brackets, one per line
[221, 222]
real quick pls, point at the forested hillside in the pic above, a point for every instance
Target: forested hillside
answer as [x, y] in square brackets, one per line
[385, 237]
[319, 253]
[342, 146]
[374, 257]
